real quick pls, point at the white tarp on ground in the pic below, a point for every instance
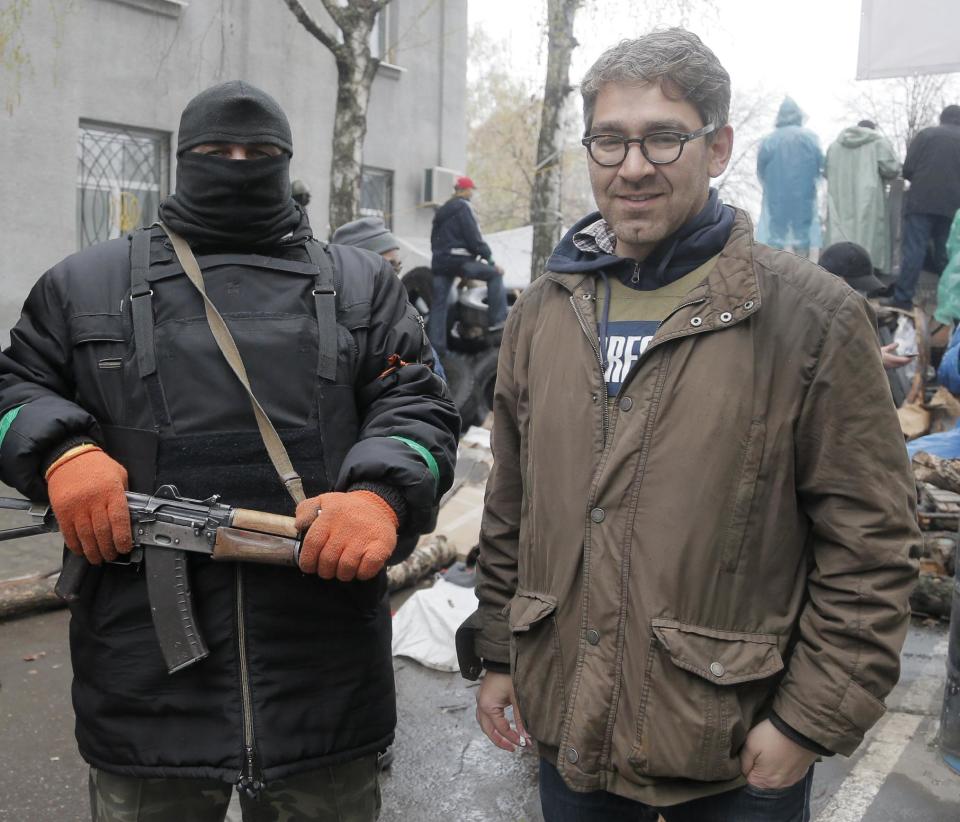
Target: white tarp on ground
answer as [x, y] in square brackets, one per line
[426, 625]
[904, 37]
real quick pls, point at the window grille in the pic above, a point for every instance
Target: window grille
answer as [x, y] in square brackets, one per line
[123, 174]
[376, 194]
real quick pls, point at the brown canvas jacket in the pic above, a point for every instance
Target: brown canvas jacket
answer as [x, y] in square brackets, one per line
[731, 537]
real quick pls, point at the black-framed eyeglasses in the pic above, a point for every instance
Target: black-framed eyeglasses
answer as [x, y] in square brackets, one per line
[660, 148]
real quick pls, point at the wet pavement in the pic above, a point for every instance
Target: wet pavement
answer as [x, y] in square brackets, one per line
[445, 770]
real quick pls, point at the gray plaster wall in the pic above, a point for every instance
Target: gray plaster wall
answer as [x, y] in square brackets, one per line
[136, 63]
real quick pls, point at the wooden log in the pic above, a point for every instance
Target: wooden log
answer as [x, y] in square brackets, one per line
[31, 593]
[436, 553]
[914, 420]
[941, 548]
[933, 595]
[943, 473]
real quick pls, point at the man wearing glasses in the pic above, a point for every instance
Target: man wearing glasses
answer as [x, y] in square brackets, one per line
[691, 581]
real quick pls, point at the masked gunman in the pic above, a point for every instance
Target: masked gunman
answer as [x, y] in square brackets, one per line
[113, 380]
[694, 558]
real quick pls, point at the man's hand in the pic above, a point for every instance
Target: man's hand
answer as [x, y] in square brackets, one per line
[349, 535]
[891, 360]
[494, 696]
[87, 491]
[768, 759]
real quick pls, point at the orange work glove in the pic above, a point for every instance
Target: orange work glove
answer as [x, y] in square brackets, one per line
[349, 535]
[87, 493]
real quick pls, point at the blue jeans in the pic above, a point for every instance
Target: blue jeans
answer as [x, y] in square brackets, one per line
[443, 279]
[746, 804]
[918, 231]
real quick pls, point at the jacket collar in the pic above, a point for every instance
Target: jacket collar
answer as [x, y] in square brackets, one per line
[732, 287]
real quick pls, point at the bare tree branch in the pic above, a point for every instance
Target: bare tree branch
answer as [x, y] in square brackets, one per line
[335, 11]
[356, 68]
[311, 25]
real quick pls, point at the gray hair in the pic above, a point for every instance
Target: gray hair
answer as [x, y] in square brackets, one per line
[675, 58]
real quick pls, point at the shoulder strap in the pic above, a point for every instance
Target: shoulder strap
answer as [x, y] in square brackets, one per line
[141, 302]
[221, 333]
[324, 299]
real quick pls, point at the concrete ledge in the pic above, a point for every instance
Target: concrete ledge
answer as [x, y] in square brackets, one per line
[167, 8]
[390, 71]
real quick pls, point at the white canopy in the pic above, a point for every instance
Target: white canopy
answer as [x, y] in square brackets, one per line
[904, 37]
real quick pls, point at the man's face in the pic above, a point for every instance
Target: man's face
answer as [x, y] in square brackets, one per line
[465, 193]
[238, 151]
[393, 257]
[643, 202]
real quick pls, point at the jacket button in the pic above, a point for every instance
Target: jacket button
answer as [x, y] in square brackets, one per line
[717, 669]
[597, 514]
[748, 305]
[572, 755]
[725, 317]
[696, 322]
[626, 404]
[593, 636]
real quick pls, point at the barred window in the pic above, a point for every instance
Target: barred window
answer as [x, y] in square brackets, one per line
[376, 194]
[123, 174]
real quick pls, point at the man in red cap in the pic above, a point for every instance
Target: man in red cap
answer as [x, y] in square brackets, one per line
[460, 251]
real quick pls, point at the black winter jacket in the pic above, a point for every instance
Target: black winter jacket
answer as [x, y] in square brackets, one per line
[299, 672]
[455, 227]
[932, 166]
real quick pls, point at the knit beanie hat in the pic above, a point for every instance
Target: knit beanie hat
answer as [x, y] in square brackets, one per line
[367, 232]
[234, 112]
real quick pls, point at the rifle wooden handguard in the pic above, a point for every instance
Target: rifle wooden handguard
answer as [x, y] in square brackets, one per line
[263, 522]
[235, 545]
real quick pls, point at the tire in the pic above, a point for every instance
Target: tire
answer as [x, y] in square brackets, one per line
[419, 285]
[460, 379]
[484, 378]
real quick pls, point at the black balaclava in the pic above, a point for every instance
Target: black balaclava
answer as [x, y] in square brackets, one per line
[222, 203]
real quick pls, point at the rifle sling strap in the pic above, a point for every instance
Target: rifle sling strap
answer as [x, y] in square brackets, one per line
[324, 298]
[225, 342]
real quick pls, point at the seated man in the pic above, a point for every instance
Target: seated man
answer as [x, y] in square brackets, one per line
[459, 251]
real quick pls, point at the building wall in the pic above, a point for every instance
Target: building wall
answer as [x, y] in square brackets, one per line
[136, 63]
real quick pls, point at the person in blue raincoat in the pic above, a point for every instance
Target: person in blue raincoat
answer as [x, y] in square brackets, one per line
[788, 165]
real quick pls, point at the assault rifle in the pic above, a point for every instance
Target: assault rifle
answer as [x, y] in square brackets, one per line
[166, 527]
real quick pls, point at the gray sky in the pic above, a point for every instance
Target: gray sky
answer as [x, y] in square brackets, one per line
[807, 50]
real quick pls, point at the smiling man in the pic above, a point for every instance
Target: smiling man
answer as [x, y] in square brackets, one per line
[691, 582]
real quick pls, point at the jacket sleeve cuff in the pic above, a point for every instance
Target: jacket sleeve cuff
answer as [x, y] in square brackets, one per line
[795, 736]
[389, 494]
[840, 730]
[496, 667]
[60, 450]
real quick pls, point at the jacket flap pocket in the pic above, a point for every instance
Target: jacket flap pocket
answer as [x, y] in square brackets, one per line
[722, 657]
[96, 328]
[527, 608]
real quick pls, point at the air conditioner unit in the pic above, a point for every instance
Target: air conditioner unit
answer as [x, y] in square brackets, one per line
[437, 185]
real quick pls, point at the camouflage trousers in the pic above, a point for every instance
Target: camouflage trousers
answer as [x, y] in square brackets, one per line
[348, 792]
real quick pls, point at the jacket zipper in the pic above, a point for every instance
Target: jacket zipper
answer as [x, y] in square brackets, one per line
[595, 345]
[250, 780]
